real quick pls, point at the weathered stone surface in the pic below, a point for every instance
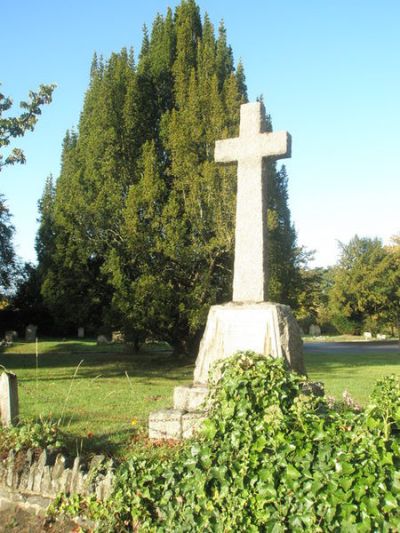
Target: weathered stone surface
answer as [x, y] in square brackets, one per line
[81, 333]
[38, 482]
[118, 337]
[314, 330]
[191, 423]
[9, 408]
[265, 328]
[166, 424]
[30, 333]
[249, 149]
[190, 398]
[73, 488]
[102, 339]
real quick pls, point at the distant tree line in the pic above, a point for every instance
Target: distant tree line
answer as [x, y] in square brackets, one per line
[137, 231]
[360, 293]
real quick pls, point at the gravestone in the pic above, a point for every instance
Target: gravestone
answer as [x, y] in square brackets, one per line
[10, 336]
[8, 399]
[315, 330]
[30, 333]
[249, 322]
[367, 335]
[81, 333]
[102, 339]
[118, 337]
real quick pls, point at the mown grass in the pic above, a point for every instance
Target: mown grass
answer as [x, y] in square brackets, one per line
[102, 395]
[355, 372]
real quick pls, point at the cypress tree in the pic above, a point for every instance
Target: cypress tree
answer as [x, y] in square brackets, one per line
[144, 218]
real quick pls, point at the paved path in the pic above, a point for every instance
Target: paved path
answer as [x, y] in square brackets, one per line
[366, 347]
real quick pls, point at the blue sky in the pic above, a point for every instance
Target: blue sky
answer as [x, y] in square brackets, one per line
[329, 72]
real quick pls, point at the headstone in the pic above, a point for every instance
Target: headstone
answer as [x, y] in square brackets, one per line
[10, 336]
[367, 335]
[81, 333]
[8, 399]
[381, 337]
[249, 322]
[118, 337]
[315, 330]
[30, 333]
[102, 339]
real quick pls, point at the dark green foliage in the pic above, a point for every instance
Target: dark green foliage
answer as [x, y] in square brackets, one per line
[271, 457]
[285, 258]
[41, 433]
[365, 290]
[7, 254]
[143, 217]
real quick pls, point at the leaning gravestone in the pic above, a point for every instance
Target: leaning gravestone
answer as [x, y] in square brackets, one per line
[8, 399]
[249, 322]
[30, 333]
[315, 330]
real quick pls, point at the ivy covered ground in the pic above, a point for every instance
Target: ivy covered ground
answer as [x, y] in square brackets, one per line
[273, 456]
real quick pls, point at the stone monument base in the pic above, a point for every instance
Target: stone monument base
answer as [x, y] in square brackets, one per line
[265, 328]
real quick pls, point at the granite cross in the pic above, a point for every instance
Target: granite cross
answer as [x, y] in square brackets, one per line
[250, 279]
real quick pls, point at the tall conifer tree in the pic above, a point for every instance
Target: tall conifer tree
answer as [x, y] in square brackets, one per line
[144, 217]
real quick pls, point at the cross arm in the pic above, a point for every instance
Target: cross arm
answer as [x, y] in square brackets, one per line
[226, 151]
[276, 145]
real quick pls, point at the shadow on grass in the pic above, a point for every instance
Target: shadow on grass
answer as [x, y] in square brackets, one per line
[108, 365]
[324, 362]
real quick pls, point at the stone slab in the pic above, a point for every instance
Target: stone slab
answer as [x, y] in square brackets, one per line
[190, 398]
[166, 424]
[30, 333]
[266, 328]
[191, 423]
[9, 408]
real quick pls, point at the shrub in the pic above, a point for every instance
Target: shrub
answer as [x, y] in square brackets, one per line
[269, 458]
[41, 433]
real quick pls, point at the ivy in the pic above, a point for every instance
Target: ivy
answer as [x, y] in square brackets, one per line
[272, 456]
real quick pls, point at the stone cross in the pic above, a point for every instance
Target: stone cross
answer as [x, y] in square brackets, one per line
[253, 144]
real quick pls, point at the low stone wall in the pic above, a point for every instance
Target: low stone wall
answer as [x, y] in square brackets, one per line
[32, 482]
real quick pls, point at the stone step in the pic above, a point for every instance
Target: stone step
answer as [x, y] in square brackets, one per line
[174, 424]
[190, 399]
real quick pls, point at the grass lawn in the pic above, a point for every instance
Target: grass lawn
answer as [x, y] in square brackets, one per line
[355, 372]
[98, 391]
[101, 394]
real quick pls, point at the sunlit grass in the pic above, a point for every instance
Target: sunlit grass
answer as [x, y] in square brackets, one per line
[103, 395]
[354, 372]
[105, 401]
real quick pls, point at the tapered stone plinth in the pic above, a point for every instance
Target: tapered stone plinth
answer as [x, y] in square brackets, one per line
[265, 328]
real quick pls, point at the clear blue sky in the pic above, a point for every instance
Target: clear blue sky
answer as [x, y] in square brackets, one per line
[329, 71]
